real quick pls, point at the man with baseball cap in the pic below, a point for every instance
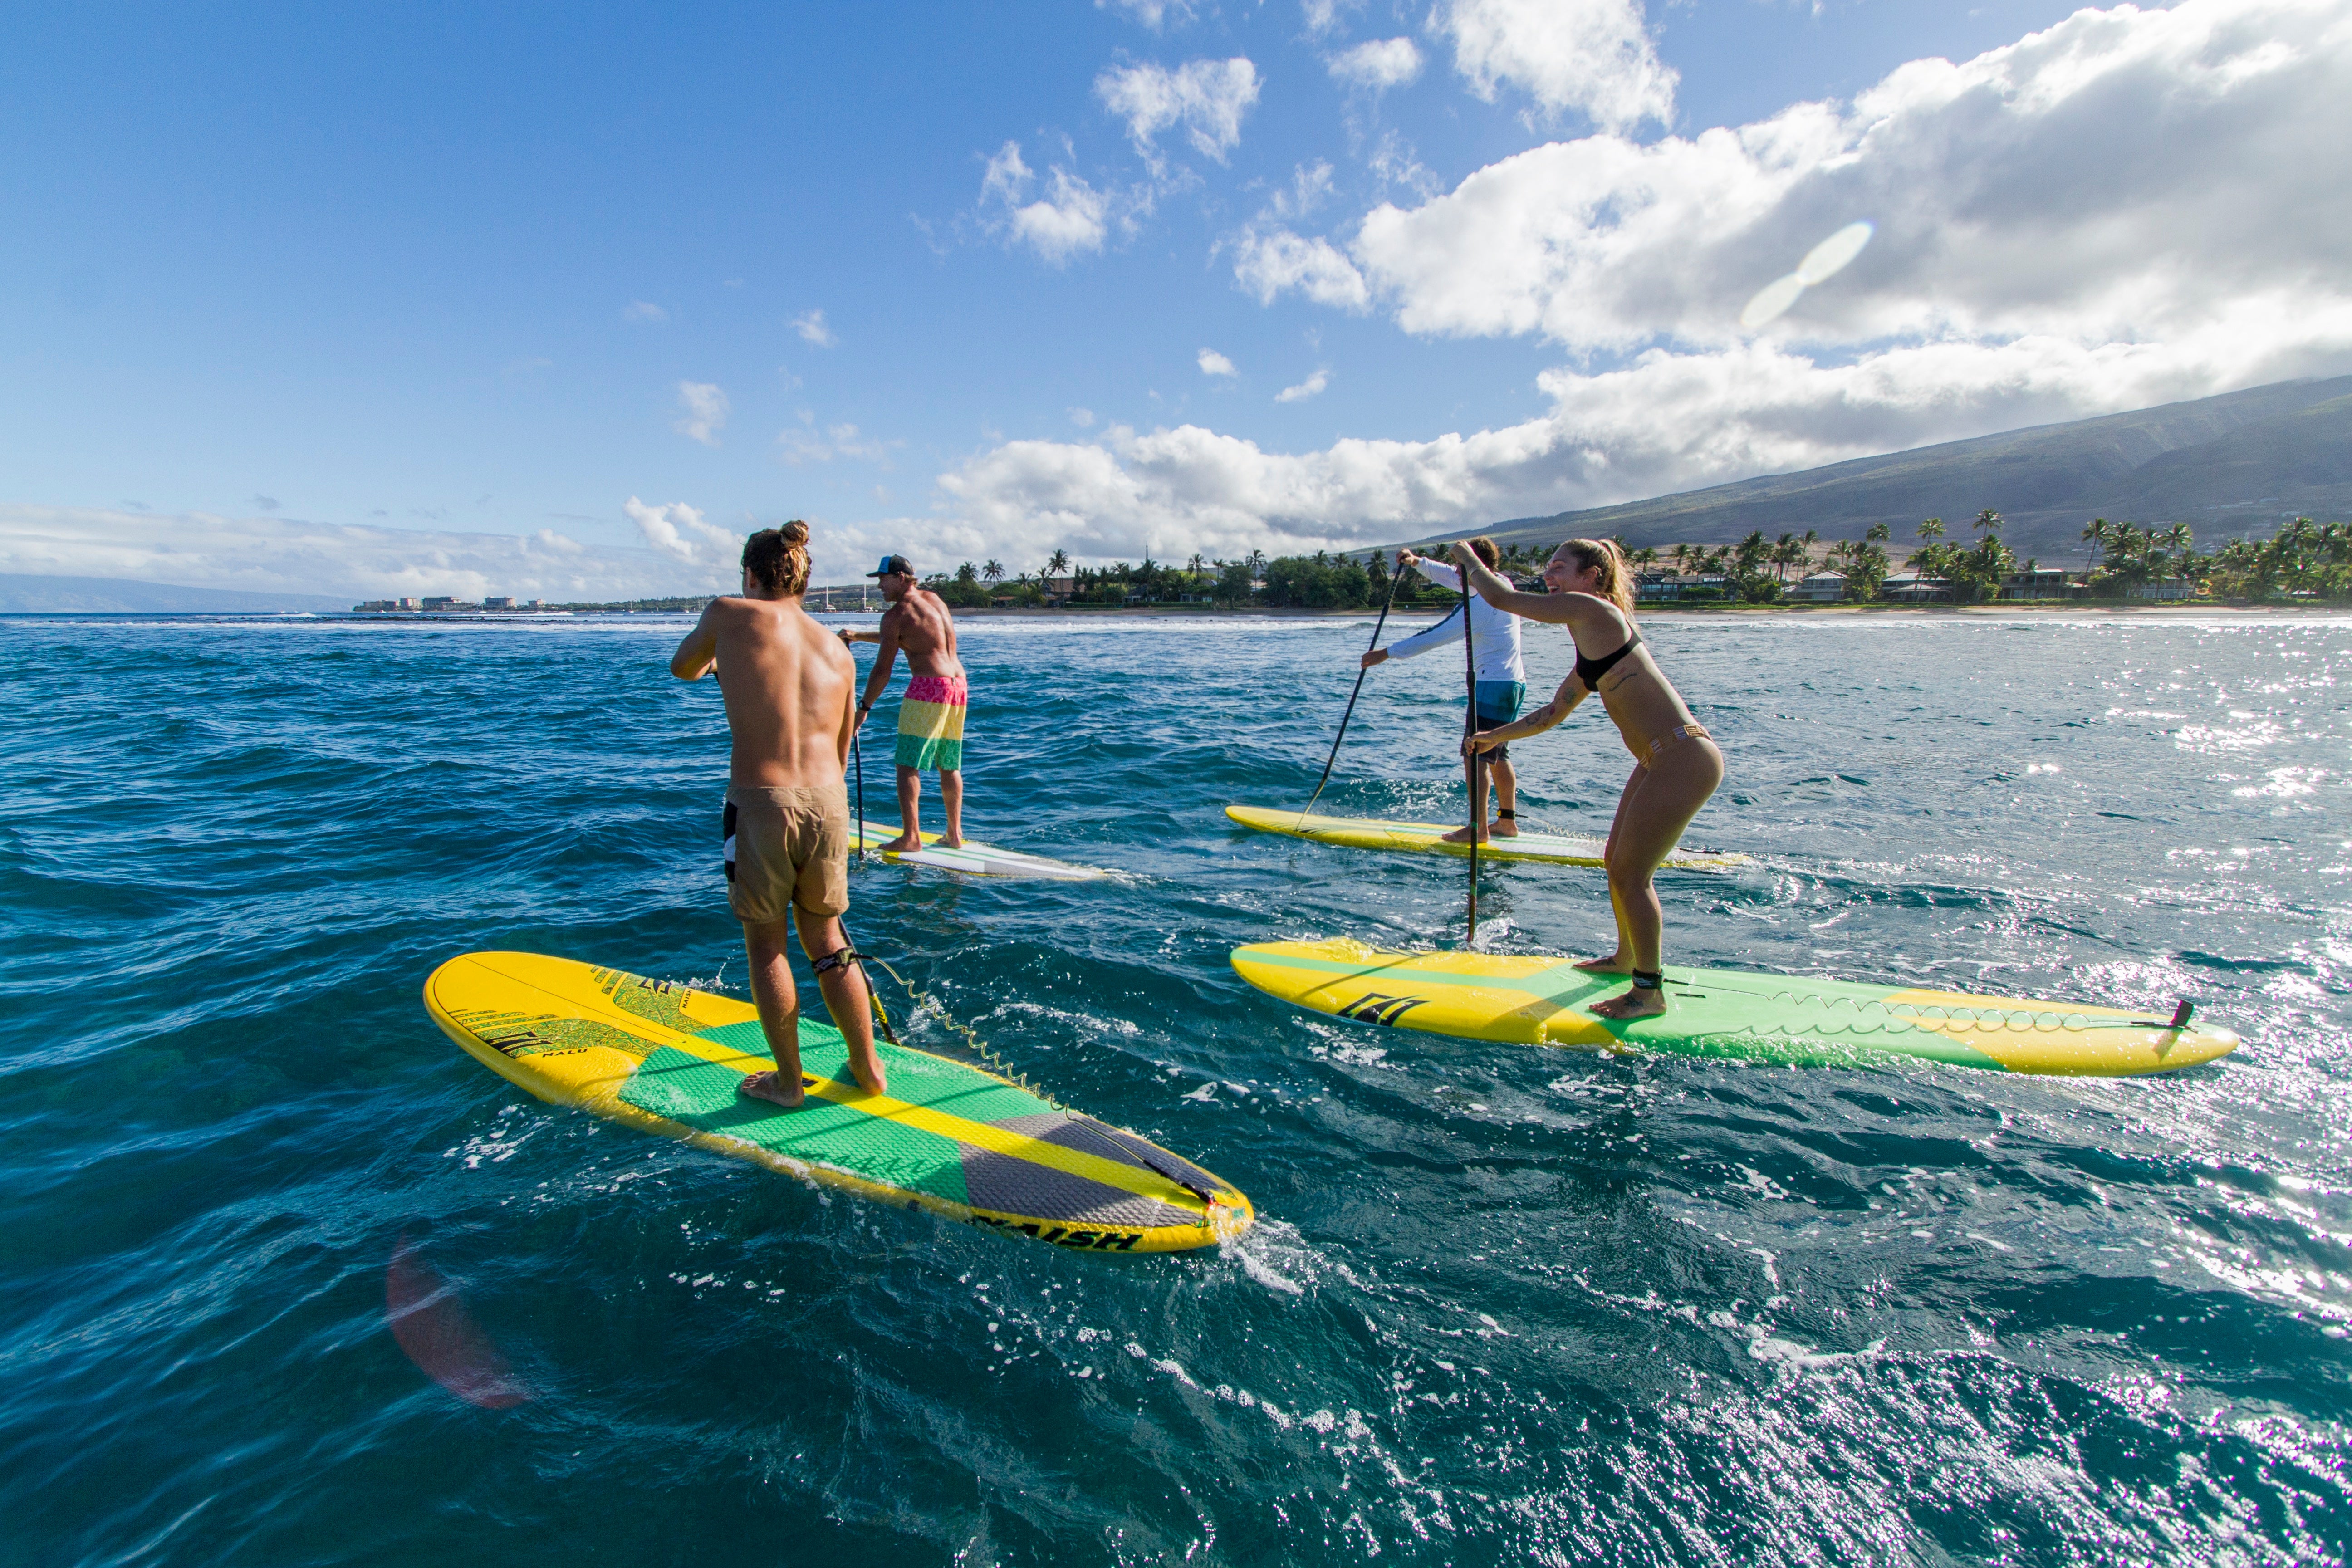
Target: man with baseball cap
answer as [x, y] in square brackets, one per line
[931, 716]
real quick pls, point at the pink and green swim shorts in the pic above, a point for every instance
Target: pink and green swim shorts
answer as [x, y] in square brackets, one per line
[930, 723]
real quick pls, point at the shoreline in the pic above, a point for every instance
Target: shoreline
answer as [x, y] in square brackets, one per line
[1998, 607]
[1998, 610]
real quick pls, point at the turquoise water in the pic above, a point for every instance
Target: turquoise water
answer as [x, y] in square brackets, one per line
[1505, 1304]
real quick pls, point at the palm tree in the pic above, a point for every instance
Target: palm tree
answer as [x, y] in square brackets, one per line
[1682, 556]
[993, 571]
[1255, 561]
[2096, 534]
[1932, 528]
[1195, 565]
[1059, 562]
[1878, 533]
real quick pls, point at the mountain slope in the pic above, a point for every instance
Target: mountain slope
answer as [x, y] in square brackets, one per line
[2226, 465]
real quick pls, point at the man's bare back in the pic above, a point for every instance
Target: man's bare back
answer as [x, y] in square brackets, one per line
[921, 626]
[787, 683]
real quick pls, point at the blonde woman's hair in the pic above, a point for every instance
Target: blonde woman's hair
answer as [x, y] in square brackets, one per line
[1616, 573]
[778, 558]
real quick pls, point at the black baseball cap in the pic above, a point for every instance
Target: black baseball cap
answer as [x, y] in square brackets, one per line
[894, 566]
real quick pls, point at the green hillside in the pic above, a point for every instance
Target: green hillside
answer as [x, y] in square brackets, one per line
[2230, 466]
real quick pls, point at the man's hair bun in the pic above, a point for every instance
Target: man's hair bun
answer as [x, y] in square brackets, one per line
[778, 558]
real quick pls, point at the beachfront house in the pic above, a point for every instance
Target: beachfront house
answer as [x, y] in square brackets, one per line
[2039, 583]
[1666, 588]
[1916, 588]
[1819, 588]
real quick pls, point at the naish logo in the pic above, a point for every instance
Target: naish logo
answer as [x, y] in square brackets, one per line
[1063, 1235]
[1379, 1009]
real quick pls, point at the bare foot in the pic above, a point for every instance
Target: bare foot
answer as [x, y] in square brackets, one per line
[1613, 964]
[870, 1076]
[1459, 835]
[764, 1086]
[1633, 1004]
[904, 844]
[1503, 827]
[950, 840]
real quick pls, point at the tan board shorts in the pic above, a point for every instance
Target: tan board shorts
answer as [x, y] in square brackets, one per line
[786, 848]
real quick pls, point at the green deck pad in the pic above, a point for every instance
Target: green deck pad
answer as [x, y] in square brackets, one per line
[1822, 1022]
[702, 1095]
[1716, 1013]
[918, 1077]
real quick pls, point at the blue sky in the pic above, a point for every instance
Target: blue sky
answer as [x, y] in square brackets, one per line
[559, 300]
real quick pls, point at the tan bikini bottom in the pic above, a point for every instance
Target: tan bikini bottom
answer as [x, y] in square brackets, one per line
[1675, 736]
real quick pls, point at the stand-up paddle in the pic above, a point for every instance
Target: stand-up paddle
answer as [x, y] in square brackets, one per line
[1394, 573]
[1477, 758]
[857, 749]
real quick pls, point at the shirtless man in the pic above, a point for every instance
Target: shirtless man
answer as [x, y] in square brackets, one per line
[931, 716]
[786, 827]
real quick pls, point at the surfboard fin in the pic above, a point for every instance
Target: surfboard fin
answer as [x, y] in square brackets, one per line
[2181, 1014]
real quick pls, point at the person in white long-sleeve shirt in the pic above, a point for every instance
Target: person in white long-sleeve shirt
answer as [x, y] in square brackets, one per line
[1502, 685]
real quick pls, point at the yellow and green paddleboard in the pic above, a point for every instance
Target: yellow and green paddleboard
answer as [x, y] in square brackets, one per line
[1536, 1001]
[1428, 838]
[960, 1142]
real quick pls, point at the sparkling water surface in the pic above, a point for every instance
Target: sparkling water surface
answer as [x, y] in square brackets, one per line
[1505, 1304]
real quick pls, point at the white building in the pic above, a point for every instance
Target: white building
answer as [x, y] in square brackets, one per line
[1820, 588]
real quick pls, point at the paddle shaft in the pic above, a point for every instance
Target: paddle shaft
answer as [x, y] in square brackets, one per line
[1477, 758]
[857, 749]
[1394, 575]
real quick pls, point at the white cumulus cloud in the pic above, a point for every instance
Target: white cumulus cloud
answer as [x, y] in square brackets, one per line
[810, 325]
[1267, 262]
[1215, 364]
[2122, 176]
[1376, 64]
[1304, 389]
[644, 311]
[1153, 13]
[1069, 219]
[678, 531]
[705, 411]
[1208, 97]
[1593, 57]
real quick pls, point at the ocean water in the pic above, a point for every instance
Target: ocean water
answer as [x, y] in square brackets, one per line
[1506, 1305]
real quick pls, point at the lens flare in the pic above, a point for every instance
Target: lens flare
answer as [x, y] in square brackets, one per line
[1771, 300]
[1821, 263]
[1830, 258]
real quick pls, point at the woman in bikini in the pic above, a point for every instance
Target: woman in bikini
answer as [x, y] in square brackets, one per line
[1676, 765]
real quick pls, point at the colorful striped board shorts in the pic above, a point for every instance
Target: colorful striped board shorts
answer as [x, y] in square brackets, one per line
[930, 723]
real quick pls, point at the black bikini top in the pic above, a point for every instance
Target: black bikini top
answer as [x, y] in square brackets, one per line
[1590, 671]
